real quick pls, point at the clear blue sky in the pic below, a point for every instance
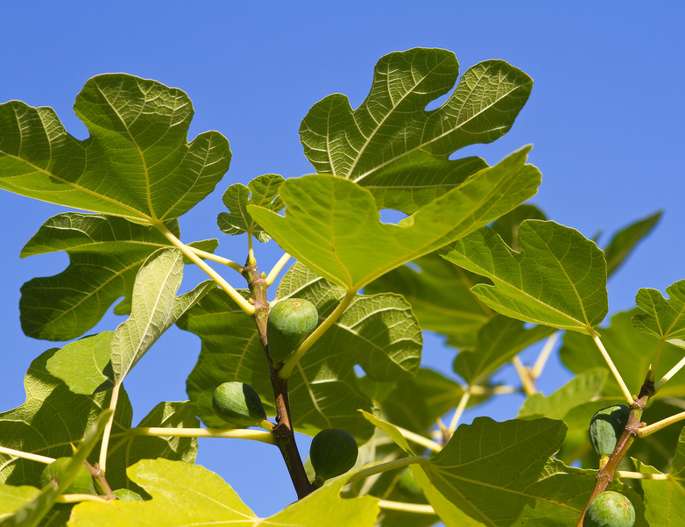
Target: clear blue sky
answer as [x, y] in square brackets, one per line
[606, 118]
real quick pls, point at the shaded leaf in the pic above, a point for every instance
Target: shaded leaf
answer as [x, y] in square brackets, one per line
[558, 279]
[631, 350]
[81, 364]
[398, 150]
[262, 191]
[499, 340]
[105, 253]
[185, 494]
[625, 240]
[508, 225]
[332, 224]
[136, 163]
[663, 317]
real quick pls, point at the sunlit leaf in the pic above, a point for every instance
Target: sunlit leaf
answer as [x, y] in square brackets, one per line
[625, 240]
[557, 279]
[185, 494]
[332, 225]
[81, 364]
[262, 191]
[136, 163]
[663, 317]
[398, 150]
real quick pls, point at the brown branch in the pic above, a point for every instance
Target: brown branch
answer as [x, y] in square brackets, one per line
[283, 432]
[606, 474]
[99, 476]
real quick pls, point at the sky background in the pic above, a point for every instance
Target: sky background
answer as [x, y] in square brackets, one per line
[606, 117]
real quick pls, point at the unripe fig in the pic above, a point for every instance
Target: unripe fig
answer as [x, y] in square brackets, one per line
[333, 452]
[606, 426]
[82, 484]
[610, 509]
[238, 404]
[290, 321]
[127, 495]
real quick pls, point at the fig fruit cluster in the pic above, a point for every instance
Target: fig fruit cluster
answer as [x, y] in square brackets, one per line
[610, 509]
[606, 426]
[290, 321]
[238, 404]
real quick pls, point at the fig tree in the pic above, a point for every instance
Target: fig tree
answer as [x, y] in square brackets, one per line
[82, 484]
[238, 404]
[332, 452]
[606, 426]
[290, 321]
[610, 509]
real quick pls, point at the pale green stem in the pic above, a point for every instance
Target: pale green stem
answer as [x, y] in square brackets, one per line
[104, 445]
[614, 370]
[525, 377]
[216, 258]
[640, 475]
[670, 374]
[290, 364]
[458, 412]
[190, 254]
[647, 430]
[416, 508]
[277, 268]
[238, 433]
[26, 455]
[385, 467]
[78, 498]
[545, 354]
[492, 390]
[419, 439]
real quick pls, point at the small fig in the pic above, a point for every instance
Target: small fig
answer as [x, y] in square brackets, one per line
[290, 321]
[238, 404]
[332, 452]
[127, 495]
[610, 509]
[82, 484]
[606, 426]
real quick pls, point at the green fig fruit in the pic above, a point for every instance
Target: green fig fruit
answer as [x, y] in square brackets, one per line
[290, 321]
[606, 426]
[82, 484]
[238, 404]
[127, 495]
[610, 509]
[332, 452]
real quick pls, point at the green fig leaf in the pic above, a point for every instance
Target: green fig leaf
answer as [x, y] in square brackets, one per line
[262, 191]
[136, 164]
[185, 494]
[558, 278]
[625, 240]
[332, 225]
[81, 364]
[105, 253]
[391, 145]
[663, 317]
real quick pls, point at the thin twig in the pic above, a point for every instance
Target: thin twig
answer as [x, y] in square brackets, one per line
[26, 455]
[277, 268]
[641, 475]
[647, 430]
[190, 254]
[612, 367]
[292, 361]
[545, 354]
[419, 439]
[78, 498]
[216, 258]
[104, 445]
[385, 467]
[416, 508]
[160, 431]
[524, 376]
[671, 373]
[461, 406]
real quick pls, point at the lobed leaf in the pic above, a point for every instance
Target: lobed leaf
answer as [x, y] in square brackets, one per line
[136, 164]
[625, 240]
[663, 317]
[332, 224]
[105, 253]
[262, 191]
[558, 278]
[391, 145]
